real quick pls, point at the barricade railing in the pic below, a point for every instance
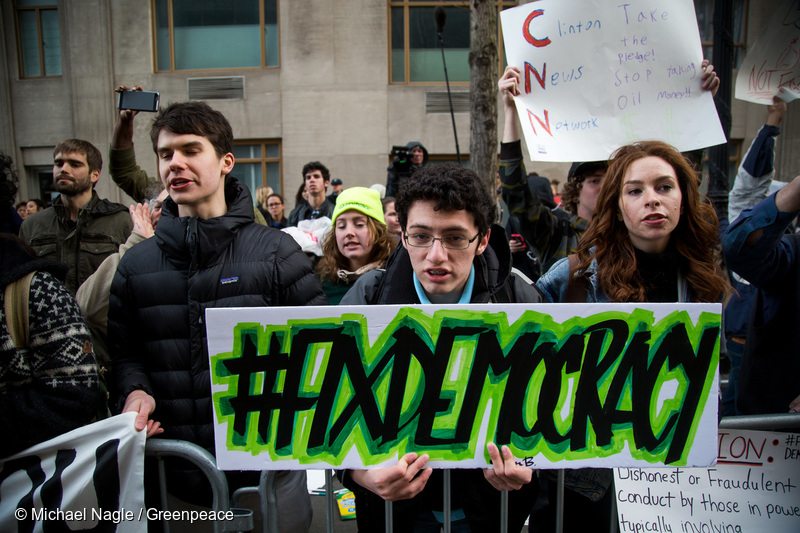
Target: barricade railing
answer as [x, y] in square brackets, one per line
[205, 462]
[761, 422]
[267, 497]
[751, 422]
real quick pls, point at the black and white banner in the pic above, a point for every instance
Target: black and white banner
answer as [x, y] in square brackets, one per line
[90, 479]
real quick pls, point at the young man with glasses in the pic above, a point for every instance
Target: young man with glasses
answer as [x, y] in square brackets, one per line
[449, 254]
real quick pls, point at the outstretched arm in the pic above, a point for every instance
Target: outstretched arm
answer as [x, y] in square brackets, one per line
[537, 221]
[755, 246]
[509, 88]
[122, 166]
[756, 171]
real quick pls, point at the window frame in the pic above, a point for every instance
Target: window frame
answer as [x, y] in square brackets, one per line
[171, 33]
[406, 5]
[51, 5]
[263, 160]
[739, 47]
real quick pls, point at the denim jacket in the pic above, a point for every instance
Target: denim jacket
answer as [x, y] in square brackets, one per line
[768, 261]
[770, 366]
[554, 283]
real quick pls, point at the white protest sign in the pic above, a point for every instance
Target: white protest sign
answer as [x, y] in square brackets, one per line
[754, 487]
[564, 385]
[598, 74]
[772, 65]
[91, 477]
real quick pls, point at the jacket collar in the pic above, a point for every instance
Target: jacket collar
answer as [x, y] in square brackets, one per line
[200, 241]
[61, 209]
[95, 206]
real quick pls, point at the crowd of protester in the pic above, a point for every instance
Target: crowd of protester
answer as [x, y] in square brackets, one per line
[115, 318]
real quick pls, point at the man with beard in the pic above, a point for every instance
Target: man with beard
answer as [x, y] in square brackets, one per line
[80, 230]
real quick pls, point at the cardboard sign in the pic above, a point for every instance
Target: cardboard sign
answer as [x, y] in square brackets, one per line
[599, 74]
[564, 385]
[772, 65]
[755, 486]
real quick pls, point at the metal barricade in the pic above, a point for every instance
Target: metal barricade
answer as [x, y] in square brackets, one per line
[761, 422]
[205, 462]
[753, 422]
[243, 520]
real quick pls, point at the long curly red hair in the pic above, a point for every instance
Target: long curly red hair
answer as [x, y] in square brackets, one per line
[695, 238]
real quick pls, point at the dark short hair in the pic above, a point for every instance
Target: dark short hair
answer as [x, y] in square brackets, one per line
[93, 158]
[316, 165]
[194, 118]
[275, 195]
[578, 173]
[450, 187]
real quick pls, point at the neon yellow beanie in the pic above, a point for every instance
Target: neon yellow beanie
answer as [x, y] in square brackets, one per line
[361, 199]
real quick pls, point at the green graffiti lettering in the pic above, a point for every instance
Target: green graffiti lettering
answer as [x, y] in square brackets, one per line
[316, 390]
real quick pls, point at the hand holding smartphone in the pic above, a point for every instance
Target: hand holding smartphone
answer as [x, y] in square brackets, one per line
[139, 100]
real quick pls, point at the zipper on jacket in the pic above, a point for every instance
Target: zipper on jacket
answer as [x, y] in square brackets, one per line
[191, 242]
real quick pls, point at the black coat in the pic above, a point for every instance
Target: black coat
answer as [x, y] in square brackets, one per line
[162, 288]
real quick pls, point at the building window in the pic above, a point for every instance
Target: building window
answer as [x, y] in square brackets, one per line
[415, 55]
[704, 9]
[258, 164]
[215, 34]
[38, 38]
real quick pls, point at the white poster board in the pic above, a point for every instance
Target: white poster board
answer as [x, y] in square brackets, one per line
[598, 74]
[772, 65]
[754, 487]
[564, 385]
[91, 477]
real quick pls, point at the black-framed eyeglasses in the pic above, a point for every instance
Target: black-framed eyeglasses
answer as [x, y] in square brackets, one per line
[451, 242]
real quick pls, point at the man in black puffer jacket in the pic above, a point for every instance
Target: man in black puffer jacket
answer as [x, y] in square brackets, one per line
[207, 252]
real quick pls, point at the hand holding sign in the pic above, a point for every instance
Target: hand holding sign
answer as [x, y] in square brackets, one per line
[400, 482]
[595, 76]
[710, 80]
[505, 473]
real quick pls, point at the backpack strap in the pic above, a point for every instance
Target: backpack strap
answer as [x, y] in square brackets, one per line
[15, 306]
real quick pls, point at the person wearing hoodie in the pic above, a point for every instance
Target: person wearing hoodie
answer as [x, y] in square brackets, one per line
[405, 161]
[450, 253]
[207, 251]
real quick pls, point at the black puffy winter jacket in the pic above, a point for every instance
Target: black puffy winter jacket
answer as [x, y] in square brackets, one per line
[164, 285]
